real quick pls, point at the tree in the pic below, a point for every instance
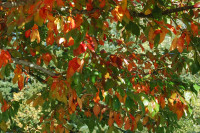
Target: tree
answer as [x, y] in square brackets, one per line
[92, 58]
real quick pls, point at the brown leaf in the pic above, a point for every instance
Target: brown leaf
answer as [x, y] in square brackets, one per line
[96, 109]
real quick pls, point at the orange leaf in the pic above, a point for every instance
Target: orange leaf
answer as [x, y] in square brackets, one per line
[96, 109]
[179, 113]
[145, 120]
[60, 3]
[118, 13]
[47, 58]
[180, 44]
[188, 39]
[194, 28]
[147, 65]
[174, 44]
[162, 101]
[96, 98]
[50, 38]
[110, 121]
[163, 34]
[71, 41]
[124, 4]
[127, 125]
[21, 82]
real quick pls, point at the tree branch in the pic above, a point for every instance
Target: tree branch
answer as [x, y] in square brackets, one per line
[166, 12]
[35, 66]
[75, 11]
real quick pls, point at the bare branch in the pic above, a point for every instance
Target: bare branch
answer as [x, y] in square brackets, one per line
[35, 66]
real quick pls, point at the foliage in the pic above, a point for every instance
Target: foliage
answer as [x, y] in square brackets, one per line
[92, 58]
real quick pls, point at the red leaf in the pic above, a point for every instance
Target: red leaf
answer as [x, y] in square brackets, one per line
[197, 5]
[60, 3]
[47, 58]
[5, 106]
[102, 3]
[27, 33]
[71, 41]
[81, 49]
[72, 67]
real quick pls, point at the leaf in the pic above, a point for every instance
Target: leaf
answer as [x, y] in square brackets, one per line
[124, 4]
[133, 28]
[157, 13]
[179, 113]
[163, 34]
[35, 35]
[38, 19]
[60, 3]
[180, 44]
[50, 38]
[111, 119]
[197, 5]
[73, 66]
[162, 101]
[21, 82]
[5, 106]
[194, 28]
[3, 126]
[147, 12]
[116, 104]
[127, 125]
[145, 120]
[96, 109]
[196, 87]
[27, 33]
[174, 44]
[118, 13]
[47, 58]
[79, 102]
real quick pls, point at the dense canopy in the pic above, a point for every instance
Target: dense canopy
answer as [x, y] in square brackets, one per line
[104, 63]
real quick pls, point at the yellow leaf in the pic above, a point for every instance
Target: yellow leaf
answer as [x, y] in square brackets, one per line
[38, 20]
[3, 126]
[147, 12]
[163, 34]
[151, 35]
[35, 35]
[124, 4]
[79, 102]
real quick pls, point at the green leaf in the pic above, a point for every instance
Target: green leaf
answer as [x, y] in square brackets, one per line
[196, 87]
[157, 12]
[129, 102]
[140, 126]
[134, 28]
[156, 40]
[116, 104]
